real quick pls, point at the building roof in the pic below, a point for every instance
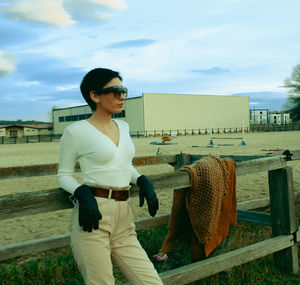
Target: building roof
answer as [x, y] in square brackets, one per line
[58, 109]
[33, 126]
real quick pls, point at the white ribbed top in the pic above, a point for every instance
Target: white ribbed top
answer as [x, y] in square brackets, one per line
[101, 161]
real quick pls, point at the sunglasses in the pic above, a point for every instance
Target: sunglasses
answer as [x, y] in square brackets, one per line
[117, 90]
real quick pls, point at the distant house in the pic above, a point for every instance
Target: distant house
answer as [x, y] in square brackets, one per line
[259, 116]
[20, 130]
[264, 116]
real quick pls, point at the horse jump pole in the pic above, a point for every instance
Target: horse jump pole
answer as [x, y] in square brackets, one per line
[243, 143]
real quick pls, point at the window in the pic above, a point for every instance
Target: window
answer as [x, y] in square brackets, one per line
[74, 118]
[13, 133]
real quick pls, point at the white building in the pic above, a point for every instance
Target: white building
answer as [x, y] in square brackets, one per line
[275, 118]
[264, 116]
[259, 116]
[169, 112]
[285, 118]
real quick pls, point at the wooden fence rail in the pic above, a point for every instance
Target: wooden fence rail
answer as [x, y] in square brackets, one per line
[282, 217]
[29, 203]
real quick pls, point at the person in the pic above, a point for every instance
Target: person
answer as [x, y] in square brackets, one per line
[102, 226]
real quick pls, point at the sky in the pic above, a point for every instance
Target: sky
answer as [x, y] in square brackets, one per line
[216, 47]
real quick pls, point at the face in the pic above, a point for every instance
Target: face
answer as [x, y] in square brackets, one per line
[108, 102]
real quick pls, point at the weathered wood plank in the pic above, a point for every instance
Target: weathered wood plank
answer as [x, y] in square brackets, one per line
[47, 243]
[259, 165]
[254, 217]
[198, 270]
[51, 169]
[56, 199]
[236, 158]
[261, 202]
[28, 203]
[298, 235]
[43, 244]
[149, 222]
[182, 159]
[254, 204]
[27, 171]
[33, 246]
[155, 159]
[282, 205]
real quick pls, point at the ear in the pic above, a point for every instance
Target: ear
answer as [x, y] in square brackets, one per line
[94, 97]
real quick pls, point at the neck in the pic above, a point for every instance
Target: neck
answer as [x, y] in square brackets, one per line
[103, 118]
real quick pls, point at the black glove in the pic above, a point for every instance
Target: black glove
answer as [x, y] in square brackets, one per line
[89, 214]
[147, 191]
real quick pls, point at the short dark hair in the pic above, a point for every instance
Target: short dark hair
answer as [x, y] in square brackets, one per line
[94, 80]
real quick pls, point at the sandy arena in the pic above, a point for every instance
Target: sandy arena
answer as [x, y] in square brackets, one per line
[42, 225]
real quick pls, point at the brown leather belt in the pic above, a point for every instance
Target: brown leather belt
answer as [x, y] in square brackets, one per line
[118, 195]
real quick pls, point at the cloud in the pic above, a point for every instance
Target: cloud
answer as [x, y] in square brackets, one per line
[93, 9]
[112, 4]
[130, 43]
[67, 87]
[7, 63]
[45, 11]
[211, 71]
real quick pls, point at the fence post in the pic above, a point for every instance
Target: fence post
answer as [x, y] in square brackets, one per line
[282, 205]
[182, 159]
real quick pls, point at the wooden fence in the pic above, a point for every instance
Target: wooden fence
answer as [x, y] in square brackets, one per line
[282, 217]
[30, 139]
[274, 127]
[165, 132]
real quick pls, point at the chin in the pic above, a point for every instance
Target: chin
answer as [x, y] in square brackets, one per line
[119, 110]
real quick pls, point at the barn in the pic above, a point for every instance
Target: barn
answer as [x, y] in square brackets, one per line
[153, 112]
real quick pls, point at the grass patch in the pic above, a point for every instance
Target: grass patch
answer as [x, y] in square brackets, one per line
[58, 266]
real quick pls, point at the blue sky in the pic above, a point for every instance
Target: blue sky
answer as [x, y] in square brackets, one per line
[217, 47]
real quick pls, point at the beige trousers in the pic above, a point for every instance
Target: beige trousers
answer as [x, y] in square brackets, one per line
[116, 241]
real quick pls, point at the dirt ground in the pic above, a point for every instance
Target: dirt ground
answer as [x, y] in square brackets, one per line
[42, 225]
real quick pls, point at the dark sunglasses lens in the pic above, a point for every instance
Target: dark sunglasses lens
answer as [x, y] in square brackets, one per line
[119, 92]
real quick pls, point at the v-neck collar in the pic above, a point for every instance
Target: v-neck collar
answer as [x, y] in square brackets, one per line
[119, 130]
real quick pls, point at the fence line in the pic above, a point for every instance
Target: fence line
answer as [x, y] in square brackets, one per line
[56, 241]
[166, 132]
[282, 217]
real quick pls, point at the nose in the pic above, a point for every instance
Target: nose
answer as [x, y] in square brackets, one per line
[122, 96]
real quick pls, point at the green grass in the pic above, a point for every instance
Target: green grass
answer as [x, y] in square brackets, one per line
[58, 266]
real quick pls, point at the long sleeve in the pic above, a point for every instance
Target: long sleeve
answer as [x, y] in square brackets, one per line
[134, 176]
[67, 160]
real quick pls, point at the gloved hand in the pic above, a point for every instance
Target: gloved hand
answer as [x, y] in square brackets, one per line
[89, 214]
[147, 191]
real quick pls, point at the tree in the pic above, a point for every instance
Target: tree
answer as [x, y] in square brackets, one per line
[293, 100]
